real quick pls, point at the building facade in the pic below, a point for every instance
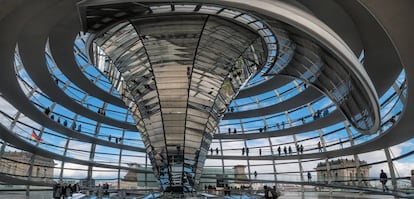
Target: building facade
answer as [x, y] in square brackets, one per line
[343, 171]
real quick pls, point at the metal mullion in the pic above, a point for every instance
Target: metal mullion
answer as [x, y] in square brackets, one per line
[68, 138]
[296, 144]
[120, 155]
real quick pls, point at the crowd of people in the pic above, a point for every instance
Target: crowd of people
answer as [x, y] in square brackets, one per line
[289, 150]
[281, 125]
[64, 190]
[245, 150]
[74, 126]
[78, 127]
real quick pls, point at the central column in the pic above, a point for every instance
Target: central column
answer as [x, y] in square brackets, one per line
[179, 74]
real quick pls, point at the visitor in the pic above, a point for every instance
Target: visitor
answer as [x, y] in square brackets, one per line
[110, 138]
[73, 125]
[57, 191]
[319, 147]
[290, 150]
[76, 188]
[278, 150]
[47, 111]
[255, 174]
[285, 150]
[383, 180]
[65, 123]
[217, 151]
[211, 150]
[393, 120]
[309, 176]
[260, 152]
[325, 112]
[247, 151]
[243, 151]
[66, 192]
[301, 149]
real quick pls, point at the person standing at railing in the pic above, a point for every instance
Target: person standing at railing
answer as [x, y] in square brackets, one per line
[57, 191]
[383, 180]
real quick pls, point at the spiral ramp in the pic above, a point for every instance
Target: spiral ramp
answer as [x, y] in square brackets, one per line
[339, 76]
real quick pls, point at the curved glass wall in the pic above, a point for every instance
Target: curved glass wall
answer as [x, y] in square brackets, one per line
[258, 142]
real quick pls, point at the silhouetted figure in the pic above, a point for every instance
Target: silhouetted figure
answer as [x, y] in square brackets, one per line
[290, 150]
[73, 126]
[393, 120]
[383, 180]
[255, 174]
[260, 130]
[65, 123]
[285, 150]
[265, 128]
[52, 117]
[325, 112]
[47, 111]
[309, 176]
[279, 150]
[243, 151]
[211, 150]
[260, 152]
[229, 131]
[301, 149]
[79, 128]
[217, 151]
[319, 147]
[110, 138]
[58, 120]
[57, 191]
[234, 130]
[247, 151]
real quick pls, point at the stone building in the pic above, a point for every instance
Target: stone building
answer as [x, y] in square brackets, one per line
[18, 164]
[130, 180]
[240, 176]
[343, 171]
